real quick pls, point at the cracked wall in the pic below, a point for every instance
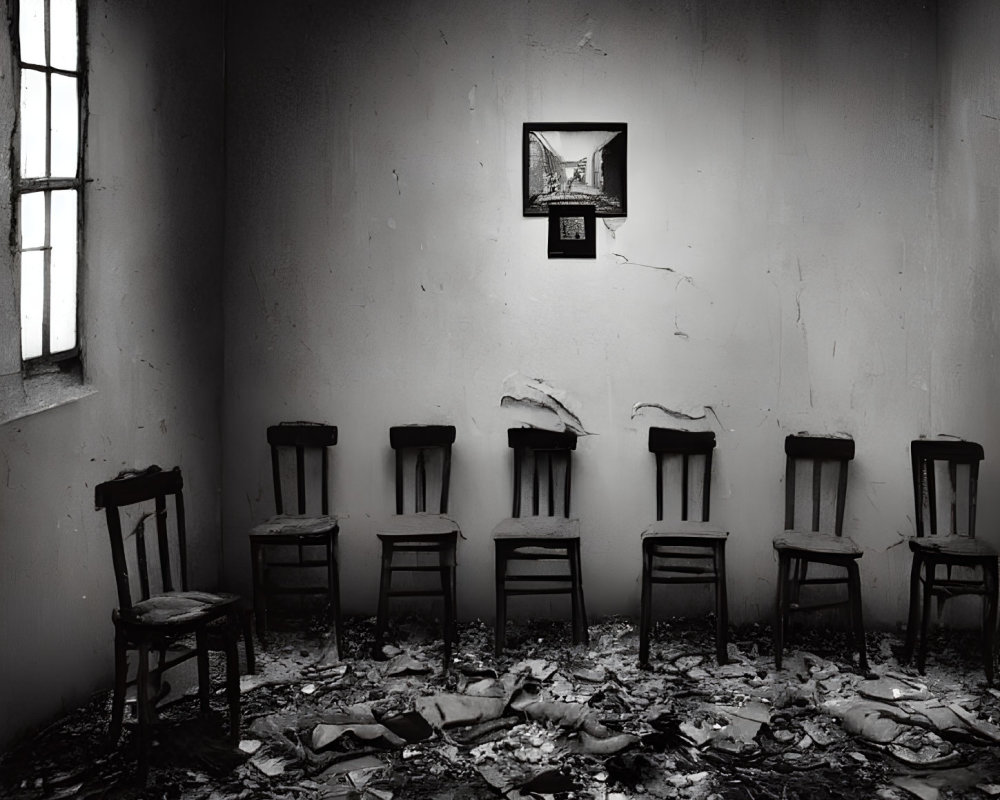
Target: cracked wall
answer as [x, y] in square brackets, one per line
[778, 270]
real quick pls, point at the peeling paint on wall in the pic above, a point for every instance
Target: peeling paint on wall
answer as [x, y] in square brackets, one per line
[677, 413]
[613, 224]
[540, 405]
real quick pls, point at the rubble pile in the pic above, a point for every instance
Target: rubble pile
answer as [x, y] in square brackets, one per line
[549, 719]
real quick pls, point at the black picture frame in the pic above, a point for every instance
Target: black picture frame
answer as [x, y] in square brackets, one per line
[572, 231]
[575, 163]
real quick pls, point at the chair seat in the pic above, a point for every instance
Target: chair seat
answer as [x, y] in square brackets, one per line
[178, 608]
[952, 546]
[822, 543]
[295, 525]
[404, 526]
[664, 529]
[537, 527]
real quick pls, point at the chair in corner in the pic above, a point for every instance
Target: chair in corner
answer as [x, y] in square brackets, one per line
[685, 551]
[422, 459]
[798, 547]
[945, 484]
[166, 620]
[311, 537]
[542, 467]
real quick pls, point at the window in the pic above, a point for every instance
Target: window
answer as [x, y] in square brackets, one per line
[48, 181]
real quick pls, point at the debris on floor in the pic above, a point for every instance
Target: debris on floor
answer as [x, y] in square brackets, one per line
[549, 719]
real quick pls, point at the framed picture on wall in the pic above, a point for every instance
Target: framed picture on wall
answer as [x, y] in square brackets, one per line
[575, 163]
[572, 231]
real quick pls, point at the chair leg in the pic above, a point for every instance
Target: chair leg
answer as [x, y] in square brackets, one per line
[581, 632]
[857, 618]
[646, 603]
[333, 592]
[204, 685]
[799, 570]
[447, 559]
[779, 607]
[247, 625]
[118, 698]
[233, 678]
[258, 567]
[144, 710]
[384, 587]
[913, 615]
[721, 606]
[500, 578]
[990, 579]
[574, 594]
[930, 568]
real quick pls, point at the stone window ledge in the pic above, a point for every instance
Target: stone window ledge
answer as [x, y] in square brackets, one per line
[24, 396]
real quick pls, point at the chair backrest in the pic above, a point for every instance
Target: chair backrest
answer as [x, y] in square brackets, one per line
[542, 454]
[303, 438]
[152, 485]
[929, 457]
[427, 449]
[669, 443]
[817, 450]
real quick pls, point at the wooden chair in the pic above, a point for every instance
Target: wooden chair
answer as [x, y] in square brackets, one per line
[957, 462]
[423, 457]
[542, 465]
[797, 548]
[312, 537]
[162, 621]
[686, 551]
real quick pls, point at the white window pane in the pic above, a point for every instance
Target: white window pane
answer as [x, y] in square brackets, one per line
[32, 281]
[33, 103]
[62, 310]
[62, 32]
[64, 127]
[31, 30]
[33, 220]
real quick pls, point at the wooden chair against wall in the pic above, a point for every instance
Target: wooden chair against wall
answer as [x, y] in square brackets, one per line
[311, 536]
[975, 560]
[798, 547]
[685, 551]
[422, 456]
[162, 621]
[542, 462]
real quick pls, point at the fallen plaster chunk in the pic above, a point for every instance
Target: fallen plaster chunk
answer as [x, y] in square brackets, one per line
[534, 395]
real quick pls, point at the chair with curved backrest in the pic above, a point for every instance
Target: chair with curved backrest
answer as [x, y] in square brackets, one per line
[422, 458]
[798, 547]
[311, 536]
[681, 550]
[161, 621]
[542, 466]
[956, 464]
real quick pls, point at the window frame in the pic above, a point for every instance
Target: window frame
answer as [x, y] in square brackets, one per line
[69, 360]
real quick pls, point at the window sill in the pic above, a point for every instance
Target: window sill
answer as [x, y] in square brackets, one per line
[24, 397]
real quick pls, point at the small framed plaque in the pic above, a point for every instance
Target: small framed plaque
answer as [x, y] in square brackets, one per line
[572, 231]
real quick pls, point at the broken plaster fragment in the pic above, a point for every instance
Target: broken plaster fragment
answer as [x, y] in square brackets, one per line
[534, 395]
[691, 413]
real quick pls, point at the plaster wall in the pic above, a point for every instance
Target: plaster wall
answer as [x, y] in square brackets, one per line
[966, 282]
[778, 270]
[152, 335]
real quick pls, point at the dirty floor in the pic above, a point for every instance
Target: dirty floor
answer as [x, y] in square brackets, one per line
[552, 720]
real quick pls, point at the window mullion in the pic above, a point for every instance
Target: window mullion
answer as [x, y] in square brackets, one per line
[48, 34]
[47, 279]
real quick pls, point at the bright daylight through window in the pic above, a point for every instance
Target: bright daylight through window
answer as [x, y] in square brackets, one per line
[50, 177]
